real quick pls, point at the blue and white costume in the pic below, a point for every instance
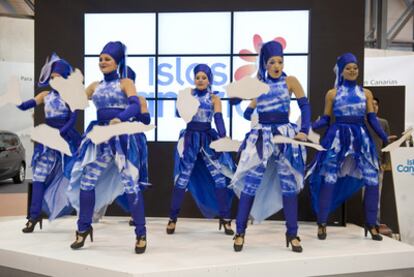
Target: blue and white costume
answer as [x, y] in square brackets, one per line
[51, 169]
[201, 170]
[143, 181]
[351, 159]
[269, 176]
[104, 171]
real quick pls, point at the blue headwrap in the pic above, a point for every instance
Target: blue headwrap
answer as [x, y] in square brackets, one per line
[54, 64]
[206, 69]
[117, 50]
[341, 62]
[268, 50]
[62, 67]
[131, 74]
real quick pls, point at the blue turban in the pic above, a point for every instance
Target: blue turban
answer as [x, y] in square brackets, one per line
[206, 69]
[54, 64]
[268, 50]
[341, 62]
[116, 50]
[62, 67]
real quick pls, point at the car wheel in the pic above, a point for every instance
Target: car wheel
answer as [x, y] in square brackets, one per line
[21, 175]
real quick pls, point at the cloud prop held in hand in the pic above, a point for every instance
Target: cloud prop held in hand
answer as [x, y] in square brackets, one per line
[247, 88]
[51, 138]
[283, 139]
[226, 145]
[71, 90]
[187, 104]
[101, 134]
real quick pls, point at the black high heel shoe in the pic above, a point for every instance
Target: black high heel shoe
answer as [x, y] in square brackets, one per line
[238, 242]
[31, 224]
[322, 231]
[81, 237]
[131, 222]
[141, 244]
[227, 229]
[171, 226]
[295, 248]
[374, 231]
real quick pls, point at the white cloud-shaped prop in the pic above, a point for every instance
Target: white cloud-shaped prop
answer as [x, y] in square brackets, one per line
[247, 88]
[187, 104]
[12, 94]
[283, 139]
[396, 144]
[226, 145]
[51, 138]
[72, 90]
[101, 134]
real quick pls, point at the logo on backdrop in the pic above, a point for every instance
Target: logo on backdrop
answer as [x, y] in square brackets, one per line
[169, 73]
[407, 168]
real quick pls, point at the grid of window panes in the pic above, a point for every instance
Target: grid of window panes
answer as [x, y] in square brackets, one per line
[163, 49]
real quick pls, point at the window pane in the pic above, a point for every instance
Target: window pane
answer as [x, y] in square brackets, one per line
[194, 33]
[176, 73]
[145, 75]
[169, 125]
[292, 26]
[297, 66]
[135, 30]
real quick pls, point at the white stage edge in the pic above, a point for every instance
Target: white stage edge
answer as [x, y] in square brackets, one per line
[196, 249]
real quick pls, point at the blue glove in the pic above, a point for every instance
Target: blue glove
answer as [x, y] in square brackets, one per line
[248, 113]
[133, 109]
[144, 118]
[321, 122]
[305, 112]
[374, 123]
[218, 120]
[235, 101]
[69, 124]
[27, 105]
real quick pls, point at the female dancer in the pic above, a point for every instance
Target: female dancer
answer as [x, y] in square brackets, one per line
[351, 159]
[100, 169]
[201, 169]
[267, 170]
[50, 167]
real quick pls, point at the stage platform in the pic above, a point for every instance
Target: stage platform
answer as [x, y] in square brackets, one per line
[196, 249]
